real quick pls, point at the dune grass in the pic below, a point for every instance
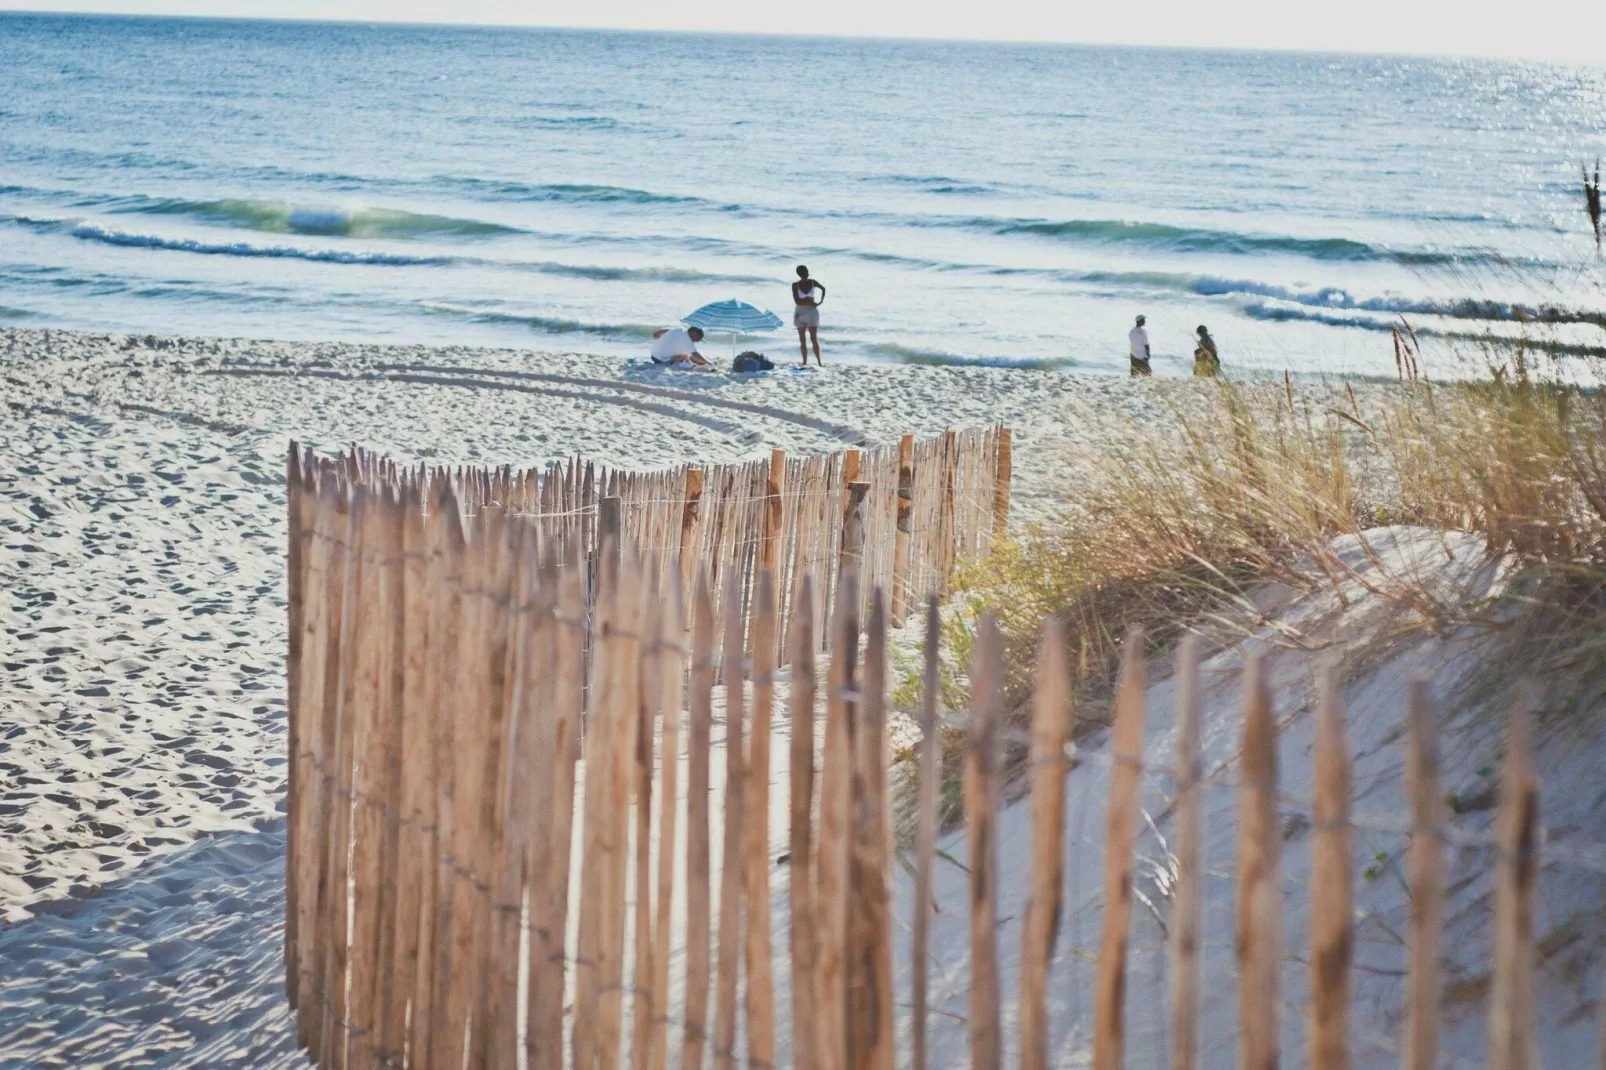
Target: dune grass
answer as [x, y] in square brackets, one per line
[1249, 482]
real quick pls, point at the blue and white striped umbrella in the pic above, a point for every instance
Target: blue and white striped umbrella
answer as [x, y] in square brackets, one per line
[733, 317]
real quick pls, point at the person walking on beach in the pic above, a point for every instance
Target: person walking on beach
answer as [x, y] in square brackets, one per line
[1206, 361]
[1139, 339]
[806, 317]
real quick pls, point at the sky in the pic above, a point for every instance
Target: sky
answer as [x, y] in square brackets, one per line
[1559, 30]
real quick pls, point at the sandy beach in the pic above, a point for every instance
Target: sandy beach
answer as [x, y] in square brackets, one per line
[450, 240]
[142, 762]
[144, 531]
[142, 733]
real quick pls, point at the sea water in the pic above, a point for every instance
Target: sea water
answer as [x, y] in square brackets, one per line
[571, 191]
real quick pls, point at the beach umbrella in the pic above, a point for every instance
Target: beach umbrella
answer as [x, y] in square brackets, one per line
[734, 317]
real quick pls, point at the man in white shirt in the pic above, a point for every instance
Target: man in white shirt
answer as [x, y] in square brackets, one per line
[1140, 349]
[678, 346]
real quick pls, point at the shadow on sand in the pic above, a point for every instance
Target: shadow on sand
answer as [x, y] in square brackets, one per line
[178, 965]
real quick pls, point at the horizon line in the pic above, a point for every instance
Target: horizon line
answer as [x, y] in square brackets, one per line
[785, 35]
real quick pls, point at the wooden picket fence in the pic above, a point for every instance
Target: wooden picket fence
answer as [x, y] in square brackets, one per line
[460, 724]
[922, 507]
[414, 597]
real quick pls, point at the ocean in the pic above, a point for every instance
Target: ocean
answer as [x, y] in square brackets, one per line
[566, 191]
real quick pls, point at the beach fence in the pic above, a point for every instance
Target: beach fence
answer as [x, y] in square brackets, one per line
[454, 633]
[917, 509]
[450, 758]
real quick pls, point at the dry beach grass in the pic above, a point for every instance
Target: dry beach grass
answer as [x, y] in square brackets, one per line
[1174, 524]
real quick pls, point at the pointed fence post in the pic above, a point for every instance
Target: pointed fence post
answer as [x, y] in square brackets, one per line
[1427, 878]
[609, 524]
[851, 549]
[320, 697]
[804, 921]
[948, 531]
[1183, 946]
[1051, 725]
[448, 616]
[417, 756]
[903, 529]
[691, 534]
[760, 966]
[850, 466]
[1259, 875]
[768, 555]
[1330, 884]
[870, 1017]
[1121, 826]
[295, 583]
[519, 783]
[981, 815]
[730, 875]
[619, 701]
[644, 1009]
[926, 834]
[549, 933]
[671, 667]
[1512, 1043]
[331, 984]
[774, 517]
[1002, 473]
[699, 730]
[832, 857]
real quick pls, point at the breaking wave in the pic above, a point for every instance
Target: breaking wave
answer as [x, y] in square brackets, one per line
[543, 324]
[911, 355]
[287, 217]
[1339, 298]
[94, 232]
[1169, 238]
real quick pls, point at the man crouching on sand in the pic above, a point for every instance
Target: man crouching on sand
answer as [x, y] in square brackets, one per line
[677, 347]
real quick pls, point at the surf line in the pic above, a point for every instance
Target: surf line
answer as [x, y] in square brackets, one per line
[735, 431]
[840, 432]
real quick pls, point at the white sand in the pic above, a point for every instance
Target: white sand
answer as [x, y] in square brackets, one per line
[1378, 659]
[143, 538]
[141, 710]
[142, 707]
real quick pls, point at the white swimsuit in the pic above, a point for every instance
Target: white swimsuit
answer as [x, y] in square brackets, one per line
[805, 315]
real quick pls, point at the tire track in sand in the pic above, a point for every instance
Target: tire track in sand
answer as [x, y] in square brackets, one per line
[841, 432]
[741, 434]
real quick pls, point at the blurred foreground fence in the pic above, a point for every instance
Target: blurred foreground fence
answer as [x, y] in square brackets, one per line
[477, 693]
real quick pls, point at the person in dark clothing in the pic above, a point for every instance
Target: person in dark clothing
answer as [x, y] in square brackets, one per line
[1592, 200]
[1206, 361]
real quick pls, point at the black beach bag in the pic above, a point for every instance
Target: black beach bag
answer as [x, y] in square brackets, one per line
[752, 362]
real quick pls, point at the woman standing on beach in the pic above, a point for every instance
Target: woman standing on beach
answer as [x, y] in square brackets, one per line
[806, 317]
